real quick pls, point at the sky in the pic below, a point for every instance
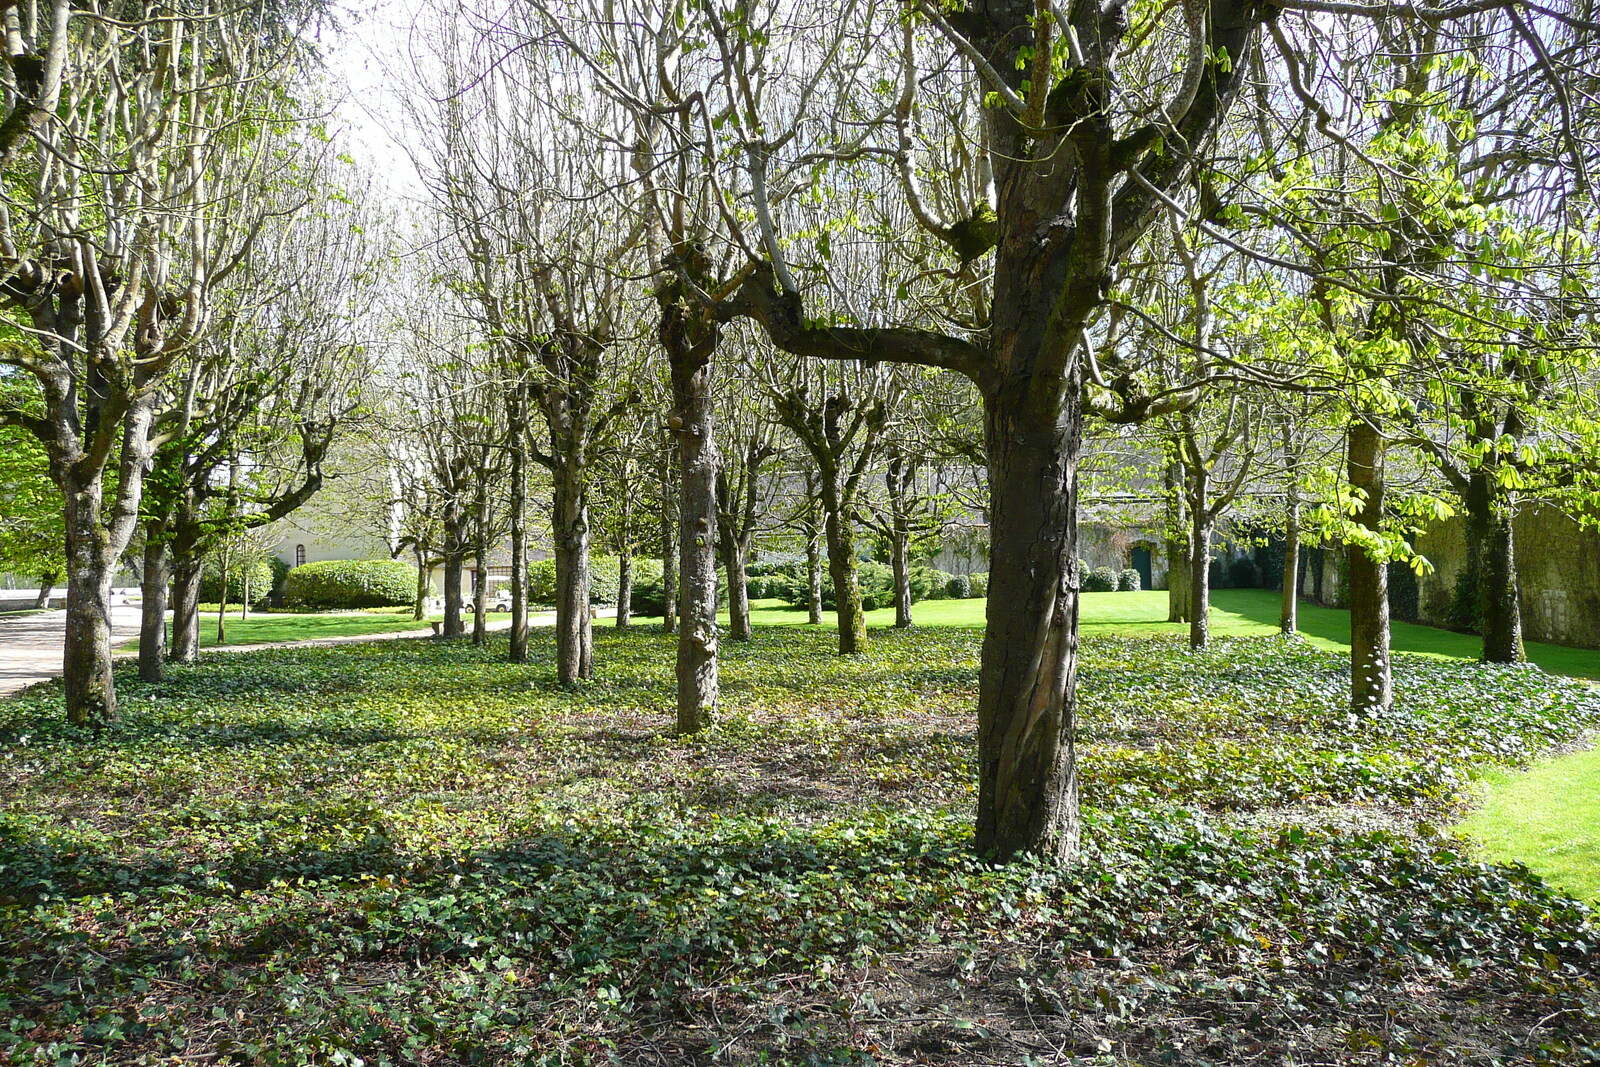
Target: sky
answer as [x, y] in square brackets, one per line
[367, 59]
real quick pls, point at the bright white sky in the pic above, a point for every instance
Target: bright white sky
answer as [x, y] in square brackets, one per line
[369, 58]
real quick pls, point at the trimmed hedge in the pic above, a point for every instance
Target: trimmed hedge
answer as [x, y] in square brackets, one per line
[1128, 581]
[351, 583]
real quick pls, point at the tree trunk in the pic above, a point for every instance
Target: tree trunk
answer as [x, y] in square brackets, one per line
[843, 569]
[480, 596]
[624, 587]
[1491, 537]
[574, 631]
[1027, 780]
[1289, 612]
[86, 657]
[455, 559]
[699, 683]
[186, 569]
[1179, 586]
[454, 564]
[517, 647]
[47, 582]
[1200, 572]
[1371, 681]
[669, 543]
[419, 606]
[733, 561]
[814, 577]
[900, 563]
[153, 613]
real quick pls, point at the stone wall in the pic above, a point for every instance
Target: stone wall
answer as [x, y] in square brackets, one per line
[1101, 545]
[1558, 568]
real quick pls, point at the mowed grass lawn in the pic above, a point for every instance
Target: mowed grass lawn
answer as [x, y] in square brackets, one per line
[1234, 613]
[275, 627]
[1547, 817]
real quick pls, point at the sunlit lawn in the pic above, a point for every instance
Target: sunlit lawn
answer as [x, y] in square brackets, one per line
[1547, 817]
[271, 627]
[1234, 613]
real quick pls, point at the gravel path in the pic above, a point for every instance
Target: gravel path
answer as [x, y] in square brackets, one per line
[31, 645]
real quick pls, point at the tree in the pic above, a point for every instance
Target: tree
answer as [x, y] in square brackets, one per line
[1014, 156]
[744, 495]
[838, 416]
[124, 217]
[540, 251]
[265, 394]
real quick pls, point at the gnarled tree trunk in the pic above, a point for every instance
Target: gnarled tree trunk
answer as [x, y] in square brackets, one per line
[86, 660]
[186, 571]
[690, 339]
[574, 628]
[843, 569]
[454, 626]
[1028, 787]
[1200, 576]
[733, 562]
[900, 564]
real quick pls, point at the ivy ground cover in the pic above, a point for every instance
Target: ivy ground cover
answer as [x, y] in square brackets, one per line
[411, 852]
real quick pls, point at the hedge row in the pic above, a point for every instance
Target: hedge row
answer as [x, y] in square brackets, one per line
[351, 583]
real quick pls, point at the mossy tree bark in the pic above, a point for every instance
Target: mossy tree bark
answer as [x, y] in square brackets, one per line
[1492, 552]
[1371, 677]
[154, 584]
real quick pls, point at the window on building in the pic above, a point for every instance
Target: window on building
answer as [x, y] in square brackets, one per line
[299, 555]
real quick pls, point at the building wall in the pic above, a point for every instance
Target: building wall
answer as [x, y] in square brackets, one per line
[1103, 545]
[1558, 568]
[1099, 545]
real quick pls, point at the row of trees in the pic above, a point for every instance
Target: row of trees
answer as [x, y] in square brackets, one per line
[185, 264]
[1336, 253]
[1353, 226]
